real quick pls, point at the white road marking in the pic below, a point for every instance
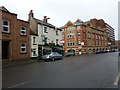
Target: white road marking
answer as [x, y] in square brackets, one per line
[20, 84]
[117, 79]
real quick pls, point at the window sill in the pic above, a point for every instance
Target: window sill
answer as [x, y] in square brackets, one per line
[23, 53]
[23, 35]
[5, 32]
[34, 44]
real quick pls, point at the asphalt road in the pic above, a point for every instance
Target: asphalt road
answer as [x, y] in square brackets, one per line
[86, 71]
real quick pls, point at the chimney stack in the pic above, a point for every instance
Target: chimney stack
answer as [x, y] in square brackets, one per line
[31, 14]
[45, 19]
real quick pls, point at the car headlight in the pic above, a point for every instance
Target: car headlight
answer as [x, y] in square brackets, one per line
[48, 56]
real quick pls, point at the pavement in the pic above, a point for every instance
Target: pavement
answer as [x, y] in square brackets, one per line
[7, 64]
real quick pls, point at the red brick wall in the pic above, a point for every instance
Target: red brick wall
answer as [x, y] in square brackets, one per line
[15, 37]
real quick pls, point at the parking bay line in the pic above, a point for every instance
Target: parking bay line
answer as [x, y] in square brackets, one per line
[117, 80]
[20, 84]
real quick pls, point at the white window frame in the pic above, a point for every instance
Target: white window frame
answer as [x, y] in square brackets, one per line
[21, 30]
[8, 26]
[21, 47]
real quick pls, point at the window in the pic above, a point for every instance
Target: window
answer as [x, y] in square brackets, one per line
[93, 36]
[23, 47]
[70, 35]
[93, 43]
[89, 43]
[56, 41]
[34, 40]
[5, 26]
[56, 32]
[89, 35]
[102, 43]
[34, 52]
[78, 27]
[79, 42]
[96, 36]
[45, 30]
[78, 34]
[62, 35]
[99, 37]
[70, 28]
[96, 43]
[23, 30]
[71, 43]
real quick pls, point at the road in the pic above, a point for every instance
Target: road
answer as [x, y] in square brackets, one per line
[86, 71]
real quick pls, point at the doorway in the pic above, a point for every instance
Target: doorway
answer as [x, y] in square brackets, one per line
[5, 49]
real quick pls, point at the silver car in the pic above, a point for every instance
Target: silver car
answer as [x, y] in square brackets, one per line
[52, 56]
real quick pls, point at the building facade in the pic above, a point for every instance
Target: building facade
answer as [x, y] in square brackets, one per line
[15, 36]
[42, 34]
[84, 37]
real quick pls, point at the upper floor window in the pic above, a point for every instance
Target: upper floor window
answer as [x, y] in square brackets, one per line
[89, 35]
[70, 28]
[33, 39]
[6, 26]
[79, 42]
[70, 35]
[71, 43]
[23, 30]
[23, 47]
[56, 32]
[56, 41]
[62, 35]
[78, 34]
[78, 27]
[96, 36]
[45, 30]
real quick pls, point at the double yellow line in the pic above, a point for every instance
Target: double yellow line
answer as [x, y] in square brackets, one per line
[117, 80]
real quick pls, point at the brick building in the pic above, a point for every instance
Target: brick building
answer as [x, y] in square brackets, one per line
[85, 37]
[15, 36]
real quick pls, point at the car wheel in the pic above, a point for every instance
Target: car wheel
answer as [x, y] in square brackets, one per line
[45, 60]
[53, 59]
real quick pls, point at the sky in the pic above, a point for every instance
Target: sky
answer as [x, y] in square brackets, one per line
[61, 11]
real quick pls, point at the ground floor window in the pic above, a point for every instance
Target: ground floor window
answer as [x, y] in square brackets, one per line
[34, 51]
[23, 47]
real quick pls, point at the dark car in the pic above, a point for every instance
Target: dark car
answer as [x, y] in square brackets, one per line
[70, 54]
[52, 56]
[119, 53]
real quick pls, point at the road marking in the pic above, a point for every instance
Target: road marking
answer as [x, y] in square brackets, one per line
[117, 80]
[20, 84]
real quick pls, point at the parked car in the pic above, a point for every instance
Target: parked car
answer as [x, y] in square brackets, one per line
[119, 53]
[98, 51]
[52, 56]
[70, 54]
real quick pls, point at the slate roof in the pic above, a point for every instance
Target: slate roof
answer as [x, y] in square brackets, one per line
[47, 24]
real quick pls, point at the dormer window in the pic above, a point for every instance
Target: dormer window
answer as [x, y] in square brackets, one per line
[6, 26]
[23, 30]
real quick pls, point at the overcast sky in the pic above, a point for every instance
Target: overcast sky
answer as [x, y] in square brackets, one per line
[61, 11]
